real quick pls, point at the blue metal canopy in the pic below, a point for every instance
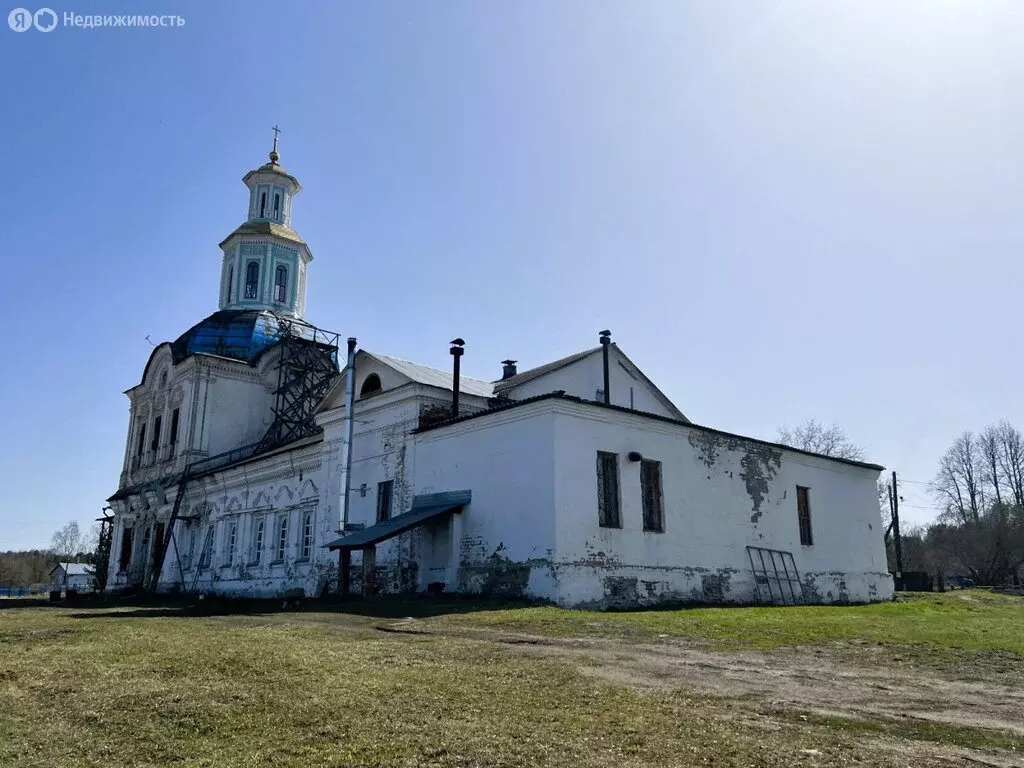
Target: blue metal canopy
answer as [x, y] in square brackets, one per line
[426, 507]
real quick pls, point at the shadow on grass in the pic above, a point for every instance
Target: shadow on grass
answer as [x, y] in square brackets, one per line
[107, 607]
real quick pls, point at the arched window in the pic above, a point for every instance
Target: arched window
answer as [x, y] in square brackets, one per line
[257, 542]
[307, 535]
[263, 204]
[280, 284]
[371, 385]
[252, 280]
[231, 281]
[277, 205]
[282, 537]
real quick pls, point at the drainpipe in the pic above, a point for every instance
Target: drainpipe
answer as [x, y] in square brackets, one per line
[606, 340]
[456, 352]
[346, 440]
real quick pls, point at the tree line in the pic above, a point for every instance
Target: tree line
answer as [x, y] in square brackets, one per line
[68, 545]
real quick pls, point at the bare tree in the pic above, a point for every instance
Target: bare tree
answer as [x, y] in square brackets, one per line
[989, 448]
[959, 486]
[1010, 458]
[816, 437]
[67, 541]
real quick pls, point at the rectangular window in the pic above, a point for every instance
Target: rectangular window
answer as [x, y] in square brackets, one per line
[257, 541]
[126, 550]
[307, 535]
[282, 537]
[385, 492]
[156, 433]
[206, 555]
[650, 491]
[191, 549]
[173, 438]
[608, 490]
[803, 514]
[229, 544]
[140, 446]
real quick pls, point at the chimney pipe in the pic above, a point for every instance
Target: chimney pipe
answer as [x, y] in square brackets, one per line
[508, 369]
[606, 340]
[456, 352]
[346, 439]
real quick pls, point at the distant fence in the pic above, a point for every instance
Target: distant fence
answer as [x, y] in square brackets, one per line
[24, 590]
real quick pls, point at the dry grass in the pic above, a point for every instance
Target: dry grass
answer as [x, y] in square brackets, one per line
[147, 687]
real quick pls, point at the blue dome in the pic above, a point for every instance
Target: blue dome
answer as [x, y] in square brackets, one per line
[241, 334]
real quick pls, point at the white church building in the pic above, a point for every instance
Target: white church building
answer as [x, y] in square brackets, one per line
[265, 457]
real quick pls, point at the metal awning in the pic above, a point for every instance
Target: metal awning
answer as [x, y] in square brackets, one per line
[427, 507]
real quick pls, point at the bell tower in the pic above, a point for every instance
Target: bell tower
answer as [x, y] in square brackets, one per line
[265, 260]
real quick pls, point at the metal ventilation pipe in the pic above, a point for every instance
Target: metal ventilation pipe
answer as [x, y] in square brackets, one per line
[346, 439]
[508, 369]
[606, 340]
[456, 352]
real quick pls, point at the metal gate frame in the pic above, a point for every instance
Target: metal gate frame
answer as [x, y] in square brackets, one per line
[786, 581]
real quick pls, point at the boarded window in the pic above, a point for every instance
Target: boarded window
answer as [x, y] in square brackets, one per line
[650, 490]
[608, 490]
[385, 494]
[126, 550]
[803, 514]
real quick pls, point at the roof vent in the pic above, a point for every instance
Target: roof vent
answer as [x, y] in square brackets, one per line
[508, 369]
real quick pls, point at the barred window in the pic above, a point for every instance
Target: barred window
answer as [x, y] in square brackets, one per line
[803, 515]
[650, 491]
[385, 493]
[608, 490]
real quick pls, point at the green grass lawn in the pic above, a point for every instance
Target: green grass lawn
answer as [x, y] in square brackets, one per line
[140, 687]
[970, 620]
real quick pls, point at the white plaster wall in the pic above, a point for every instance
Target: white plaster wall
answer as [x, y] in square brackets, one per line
[585, 377]
[286, 483]
[711, 516]
[507, 461]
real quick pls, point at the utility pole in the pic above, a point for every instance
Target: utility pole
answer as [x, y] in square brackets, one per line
[894, 498]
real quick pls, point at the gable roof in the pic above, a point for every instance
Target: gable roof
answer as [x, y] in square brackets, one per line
[504, 385]
[540, 370]
[74, 569]
[433, 377]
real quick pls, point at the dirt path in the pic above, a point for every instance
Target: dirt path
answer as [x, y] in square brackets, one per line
[847, 681]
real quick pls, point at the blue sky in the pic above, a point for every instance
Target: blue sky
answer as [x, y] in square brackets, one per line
[782, 210]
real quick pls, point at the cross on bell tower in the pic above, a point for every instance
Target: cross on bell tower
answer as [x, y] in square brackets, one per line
[273, 153]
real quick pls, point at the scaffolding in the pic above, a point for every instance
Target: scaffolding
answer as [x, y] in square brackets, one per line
[306, 369]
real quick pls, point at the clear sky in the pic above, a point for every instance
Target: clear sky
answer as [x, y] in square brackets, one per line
[782, 209]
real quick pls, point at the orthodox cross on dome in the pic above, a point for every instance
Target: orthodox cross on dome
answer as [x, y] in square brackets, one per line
[273, 153]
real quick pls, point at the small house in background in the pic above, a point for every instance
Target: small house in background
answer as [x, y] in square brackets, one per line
[73, 576]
